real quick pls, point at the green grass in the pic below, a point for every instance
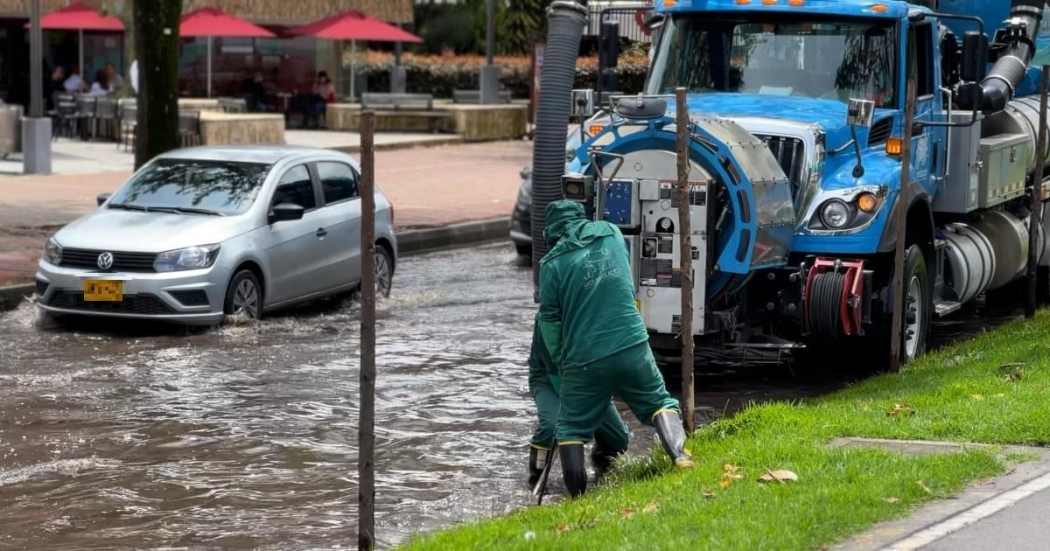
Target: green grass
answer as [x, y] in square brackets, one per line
[989, 389]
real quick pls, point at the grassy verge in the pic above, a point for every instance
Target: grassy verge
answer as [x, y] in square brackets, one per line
[989, 389]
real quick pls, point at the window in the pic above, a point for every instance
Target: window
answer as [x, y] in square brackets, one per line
[338, 180]
[920, 59]
[170, 184]
[296, 188]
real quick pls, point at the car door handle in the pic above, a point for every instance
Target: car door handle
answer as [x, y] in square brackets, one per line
[321, 232]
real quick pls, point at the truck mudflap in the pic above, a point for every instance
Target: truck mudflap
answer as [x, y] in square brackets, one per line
[751, 209]
[835, 299]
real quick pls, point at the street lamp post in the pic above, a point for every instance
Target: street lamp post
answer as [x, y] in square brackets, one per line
[490, 73]
[36, 129]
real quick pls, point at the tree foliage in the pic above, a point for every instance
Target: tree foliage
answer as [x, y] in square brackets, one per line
[520, 25]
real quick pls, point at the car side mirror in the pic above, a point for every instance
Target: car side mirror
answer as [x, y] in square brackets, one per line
[975, 56]
[860, 112]
[286, 212]
[102, 198]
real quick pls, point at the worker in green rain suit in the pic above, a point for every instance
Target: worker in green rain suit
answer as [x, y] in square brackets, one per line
[610, 438]
[597, 338]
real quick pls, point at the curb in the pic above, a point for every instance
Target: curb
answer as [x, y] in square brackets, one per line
[13, 295]
[455, 235]
[396, 146]
[408, 243]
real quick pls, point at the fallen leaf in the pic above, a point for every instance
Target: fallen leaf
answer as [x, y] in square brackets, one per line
[707, 493]
[977, 397]
[891, 500]
[864, 407]
[724, 483]
[652, 507]
[779, 475]
[627, 513]
[729, 468]
[901, 410]
[561, 529]
[1012, 372]
[1000, 395]
[924, 487]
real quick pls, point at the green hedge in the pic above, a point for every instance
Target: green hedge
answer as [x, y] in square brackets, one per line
[440, 75]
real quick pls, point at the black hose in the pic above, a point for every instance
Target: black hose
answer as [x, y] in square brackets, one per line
[566, 19]
[997, 89]
[825, 303]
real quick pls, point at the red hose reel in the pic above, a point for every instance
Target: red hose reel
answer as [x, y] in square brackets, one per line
[832, 297]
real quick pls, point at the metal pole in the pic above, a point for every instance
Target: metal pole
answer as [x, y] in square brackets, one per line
[353, 70]
[896, 329]
[36, 71]
[80, 54]
[209, 66]
[490, 32]
[685, 256]
[366, 432]
[1036, 206]
[488, 79]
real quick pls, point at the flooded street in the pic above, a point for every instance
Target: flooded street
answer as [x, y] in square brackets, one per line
[139, 436]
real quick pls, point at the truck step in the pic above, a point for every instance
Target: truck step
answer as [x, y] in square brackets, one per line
[943, 308]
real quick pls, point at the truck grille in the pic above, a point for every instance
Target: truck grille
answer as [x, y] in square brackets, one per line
[141, 304]
[790, 155]
[122, 261]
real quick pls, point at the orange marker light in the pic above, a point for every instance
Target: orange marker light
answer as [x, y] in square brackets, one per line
[866, 202]
[769, 2]
[743, 2]
[594, 129]
[670, 3]
[894, 146]
[796, 3]
[880, 8]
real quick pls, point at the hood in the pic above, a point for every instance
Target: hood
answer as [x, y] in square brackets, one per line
[148, 232]
[568, 229]
[829, 115]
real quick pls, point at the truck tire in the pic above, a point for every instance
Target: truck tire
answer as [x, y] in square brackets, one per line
[918, 305]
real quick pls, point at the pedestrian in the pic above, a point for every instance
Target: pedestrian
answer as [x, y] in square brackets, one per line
[74, 84]
[255, 91]
[54, 84]
[610, 438]
[324, 93]
[101, 85]
[115, 81]
[596, 336]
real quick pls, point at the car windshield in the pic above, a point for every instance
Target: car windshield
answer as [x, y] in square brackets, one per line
[192, 186]
[835, 60]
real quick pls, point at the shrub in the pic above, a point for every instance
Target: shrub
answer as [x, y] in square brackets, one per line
[440, 75]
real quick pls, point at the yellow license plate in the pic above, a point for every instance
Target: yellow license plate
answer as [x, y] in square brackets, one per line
[103, 290]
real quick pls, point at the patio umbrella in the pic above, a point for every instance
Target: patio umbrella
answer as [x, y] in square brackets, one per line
[78, 17]
[353, 26]
[212, 22]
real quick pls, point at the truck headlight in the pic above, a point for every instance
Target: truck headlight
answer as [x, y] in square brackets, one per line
[190, 258]
[53, 252]
[835, 214]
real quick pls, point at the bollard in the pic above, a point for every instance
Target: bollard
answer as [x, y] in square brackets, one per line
[366, 431]
[1036, 201]
[685, 257]
[896, 331]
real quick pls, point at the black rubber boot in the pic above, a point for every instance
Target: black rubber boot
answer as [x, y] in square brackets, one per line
[538, 459]
[669, 427]
[602, 459]
[573, 468]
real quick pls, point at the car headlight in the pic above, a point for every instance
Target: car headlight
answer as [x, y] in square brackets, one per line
[190, 258]
[53, 252]
[835, 214]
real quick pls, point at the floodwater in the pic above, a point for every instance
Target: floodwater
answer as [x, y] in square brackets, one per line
[244, 437]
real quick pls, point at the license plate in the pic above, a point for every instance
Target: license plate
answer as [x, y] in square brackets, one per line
[103, 290]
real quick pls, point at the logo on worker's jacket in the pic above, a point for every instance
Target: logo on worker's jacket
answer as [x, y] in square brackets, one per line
[597, 267]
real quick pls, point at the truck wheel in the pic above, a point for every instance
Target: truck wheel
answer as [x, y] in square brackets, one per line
[918, 305]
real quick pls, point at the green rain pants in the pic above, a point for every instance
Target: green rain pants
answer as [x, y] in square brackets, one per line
[610, 434]
[586, 392]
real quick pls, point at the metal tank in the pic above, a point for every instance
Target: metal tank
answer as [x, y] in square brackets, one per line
[1021, 116]
[989, 253]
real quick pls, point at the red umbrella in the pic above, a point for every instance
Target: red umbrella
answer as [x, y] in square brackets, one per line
[211, 22]
[78, 17]
[353, 26]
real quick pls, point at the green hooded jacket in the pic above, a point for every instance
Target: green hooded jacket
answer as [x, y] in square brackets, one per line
[587, 303]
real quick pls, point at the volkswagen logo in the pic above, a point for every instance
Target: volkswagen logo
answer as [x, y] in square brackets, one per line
[105, 261]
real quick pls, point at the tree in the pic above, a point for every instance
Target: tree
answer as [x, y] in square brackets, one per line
[156, 41]
[521, 24]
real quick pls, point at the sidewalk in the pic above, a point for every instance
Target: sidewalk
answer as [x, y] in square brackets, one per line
[429, 187]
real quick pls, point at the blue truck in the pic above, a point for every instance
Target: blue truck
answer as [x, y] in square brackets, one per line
[796, 116]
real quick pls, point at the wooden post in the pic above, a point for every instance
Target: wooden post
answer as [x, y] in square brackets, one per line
[1036, 200]
[896, 331]
[366, 432]
[686, 257]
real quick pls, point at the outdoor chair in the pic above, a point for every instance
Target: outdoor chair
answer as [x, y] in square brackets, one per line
[65, 114]
[233, 105]
[189, 128]
[128, 125]
[85, 115]
[106, 117]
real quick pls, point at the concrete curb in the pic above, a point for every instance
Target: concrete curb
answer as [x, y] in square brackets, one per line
[396, 146]
[13, 295]
[408, 243]
[455, 235]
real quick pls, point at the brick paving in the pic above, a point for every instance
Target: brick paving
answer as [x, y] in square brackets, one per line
[429, 187]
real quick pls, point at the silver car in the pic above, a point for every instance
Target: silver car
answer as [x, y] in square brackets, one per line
[201, 233]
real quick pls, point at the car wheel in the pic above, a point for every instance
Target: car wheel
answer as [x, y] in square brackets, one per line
[384, 272]
[244, 296]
